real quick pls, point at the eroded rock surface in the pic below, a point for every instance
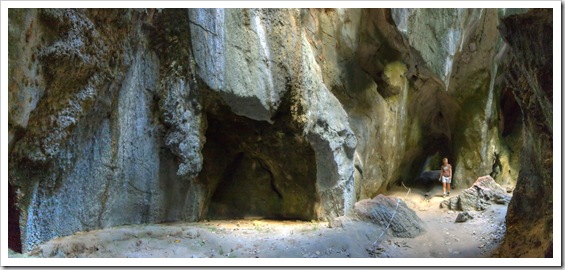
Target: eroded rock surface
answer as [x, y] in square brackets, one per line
[530, 78]
[463, 217]
[123, 116]
[484, 192]
[387, 212]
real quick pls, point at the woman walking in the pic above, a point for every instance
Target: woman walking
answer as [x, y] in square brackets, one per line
[445, 176]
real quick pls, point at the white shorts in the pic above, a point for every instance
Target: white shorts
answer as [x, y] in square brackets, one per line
[445, 179]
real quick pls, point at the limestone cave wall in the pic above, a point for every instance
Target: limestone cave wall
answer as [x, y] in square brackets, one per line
[128, 116]
[529, 75]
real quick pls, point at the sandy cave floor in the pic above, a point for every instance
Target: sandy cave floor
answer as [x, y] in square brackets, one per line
[476, 238]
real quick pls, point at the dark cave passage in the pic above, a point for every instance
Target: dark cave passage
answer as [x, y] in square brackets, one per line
[424, 168]
[437, 113]
[253, 169]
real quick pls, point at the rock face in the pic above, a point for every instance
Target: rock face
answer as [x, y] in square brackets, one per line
[220, 45]
[483, 192]
[432, 93]
[530, 77]
[92, 153]
[389, 213]
[120, 116]
[139, 133]
[290, 78]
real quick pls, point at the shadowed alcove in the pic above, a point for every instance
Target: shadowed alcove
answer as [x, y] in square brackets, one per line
[253, 169]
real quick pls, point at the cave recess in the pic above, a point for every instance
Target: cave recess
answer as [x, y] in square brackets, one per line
[253, 169]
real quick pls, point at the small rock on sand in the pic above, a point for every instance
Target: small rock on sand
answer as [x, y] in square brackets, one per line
[463, 217]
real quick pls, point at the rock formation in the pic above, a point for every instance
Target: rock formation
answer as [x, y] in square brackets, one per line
[463, 217]
[128, 116]
[529, 76]
[484, 192]
[390, 213]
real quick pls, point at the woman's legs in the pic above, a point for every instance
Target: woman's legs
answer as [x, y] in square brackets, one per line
[443, 187]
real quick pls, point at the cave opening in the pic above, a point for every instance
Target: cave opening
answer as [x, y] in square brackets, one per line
[424, 168]
[437, 112]
[511, 115]
[257, 170]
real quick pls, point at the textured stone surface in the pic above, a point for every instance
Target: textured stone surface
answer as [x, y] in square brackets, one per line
[180, 103]
[279, 58]
[462, 50]
[92, 155]
[463, 217]
[322, 108]
[23, 71]
[383, 210]
[451, 203]
[477, 135]
[245, 55]
[530, 77]
[477, 198]
[327, 129]
[438, 42]
[428, 118]
[77, 52]
[376, 105]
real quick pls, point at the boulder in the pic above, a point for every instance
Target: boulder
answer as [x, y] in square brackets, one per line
[450, 203]
[383, 210]
[469, 200]
[484, 191]
[498, 199]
